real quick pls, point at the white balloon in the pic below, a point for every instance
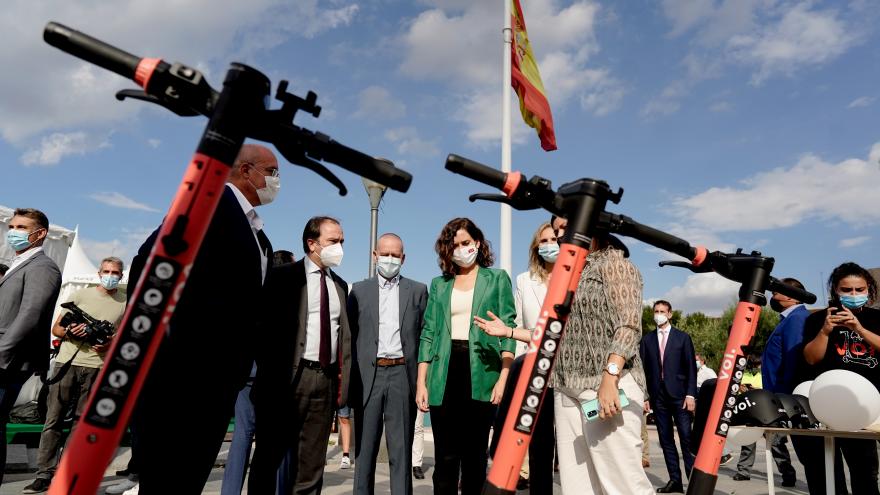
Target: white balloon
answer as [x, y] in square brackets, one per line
[803, 389]
[844, 400]
[740, 435]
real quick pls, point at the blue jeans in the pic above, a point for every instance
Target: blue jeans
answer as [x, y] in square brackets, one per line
[10, 386]
[240, 450]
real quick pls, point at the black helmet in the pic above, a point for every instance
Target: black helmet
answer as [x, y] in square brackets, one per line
[759, 407]
[810, 420]
[795, 412]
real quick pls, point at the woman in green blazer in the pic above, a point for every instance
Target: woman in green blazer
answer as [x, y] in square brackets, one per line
[462, 370]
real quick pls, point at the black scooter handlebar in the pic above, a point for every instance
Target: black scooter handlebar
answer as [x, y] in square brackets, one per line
[90, 49]
[791, 291]
[476, 171]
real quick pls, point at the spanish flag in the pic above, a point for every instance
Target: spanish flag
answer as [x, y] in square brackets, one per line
[526, 81]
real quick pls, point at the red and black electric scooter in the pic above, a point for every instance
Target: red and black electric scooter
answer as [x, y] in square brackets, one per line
[238, 111]
[583, 203]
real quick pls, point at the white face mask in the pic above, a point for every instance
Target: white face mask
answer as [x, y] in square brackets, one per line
[331, 255]
[388, 266]
[660, 319]
[267, 194]
[464, 256]
[109, 282]
[549, 251]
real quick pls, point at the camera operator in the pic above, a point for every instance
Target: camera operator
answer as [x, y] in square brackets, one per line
[77, 365]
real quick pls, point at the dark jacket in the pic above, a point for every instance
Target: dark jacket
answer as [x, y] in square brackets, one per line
[679, 365]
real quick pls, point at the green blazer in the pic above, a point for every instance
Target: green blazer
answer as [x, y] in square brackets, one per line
[492, 292]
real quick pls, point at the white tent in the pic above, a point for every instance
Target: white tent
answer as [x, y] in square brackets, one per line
[79, 272]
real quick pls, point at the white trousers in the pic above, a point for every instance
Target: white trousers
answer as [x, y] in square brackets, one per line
[604, 456]
[418, 448]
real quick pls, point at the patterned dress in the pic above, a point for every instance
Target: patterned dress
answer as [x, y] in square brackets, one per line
[606, 318]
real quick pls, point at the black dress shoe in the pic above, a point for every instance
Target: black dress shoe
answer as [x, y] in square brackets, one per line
[741, 477]
[788, 483]
[671, 487]
[418, 473]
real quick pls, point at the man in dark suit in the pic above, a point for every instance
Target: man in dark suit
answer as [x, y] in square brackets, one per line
[206, 357]
[671, 373]
[27, 299]
[387, 312]
[303, 372]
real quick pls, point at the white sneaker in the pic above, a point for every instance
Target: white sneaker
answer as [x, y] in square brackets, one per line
[121, 488]
[133, 491]
[345, 463]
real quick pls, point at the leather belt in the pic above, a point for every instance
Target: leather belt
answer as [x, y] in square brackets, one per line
[389, 361]
[315, 365]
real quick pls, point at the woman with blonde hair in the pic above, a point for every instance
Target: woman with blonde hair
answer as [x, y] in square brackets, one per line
[531, 289]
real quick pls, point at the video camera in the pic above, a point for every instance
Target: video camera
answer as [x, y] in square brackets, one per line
[98, 332]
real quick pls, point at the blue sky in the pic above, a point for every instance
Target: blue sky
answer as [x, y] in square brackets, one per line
[736, 123]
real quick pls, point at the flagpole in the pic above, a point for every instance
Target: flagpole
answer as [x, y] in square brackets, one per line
[505, 136]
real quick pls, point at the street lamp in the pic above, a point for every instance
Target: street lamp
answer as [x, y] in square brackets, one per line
[375, 191]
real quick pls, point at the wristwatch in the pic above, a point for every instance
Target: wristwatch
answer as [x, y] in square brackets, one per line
[612, 369]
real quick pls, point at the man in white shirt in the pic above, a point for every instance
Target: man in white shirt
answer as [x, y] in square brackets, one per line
[703, 372]
[27, 299]
[671, 375]
[209, 350]
[304, 375]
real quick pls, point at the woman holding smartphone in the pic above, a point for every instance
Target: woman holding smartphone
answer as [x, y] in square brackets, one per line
[462, 371]
[846, 335]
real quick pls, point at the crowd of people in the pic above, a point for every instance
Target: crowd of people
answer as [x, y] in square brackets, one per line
[289, 346]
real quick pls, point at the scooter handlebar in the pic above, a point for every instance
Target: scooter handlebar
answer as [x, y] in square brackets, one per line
[90, 49]
[476, 171]
[791, 291]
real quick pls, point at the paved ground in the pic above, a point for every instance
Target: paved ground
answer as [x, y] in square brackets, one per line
[338, 482]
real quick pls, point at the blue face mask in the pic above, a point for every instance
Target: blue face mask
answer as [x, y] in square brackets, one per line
[109, 282]
[853, 302]
[18, 240]
[549, 251]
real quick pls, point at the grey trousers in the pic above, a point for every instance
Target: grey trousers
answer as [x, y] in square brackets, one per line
[73, 388]
[779, 452]
[392, 406]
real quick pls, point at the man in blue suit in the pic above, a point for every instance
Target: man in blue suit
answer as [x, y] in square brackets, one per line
[671, 373]
[782, 354]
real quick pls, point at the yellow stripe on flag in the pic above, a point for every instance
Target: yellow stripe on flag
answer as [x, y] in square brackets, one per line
[526, 81]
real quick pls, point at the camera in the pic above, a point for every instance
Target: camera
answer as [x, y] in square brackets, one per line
[98, 332]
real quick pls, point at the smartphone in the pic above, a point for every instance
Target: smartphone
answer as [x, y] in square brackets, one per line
[591, 407]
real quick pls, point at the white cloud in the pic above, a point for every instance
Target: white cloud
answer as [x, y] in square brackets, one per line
[480, 112]
[704, 292]
[54, 147]
[469, 60]
[770, 38]
[409, 142]
[125, 246]
[720, 106]
[685, 14]
[376, 102]
[54, 90]
[854, 241]
[862, 101]
[801, 38]
[784, 197]
[119, 200]
[154, 143]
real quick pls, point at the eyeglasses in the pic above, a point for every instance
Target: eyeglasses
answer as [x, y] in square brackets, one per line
[273, 172]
